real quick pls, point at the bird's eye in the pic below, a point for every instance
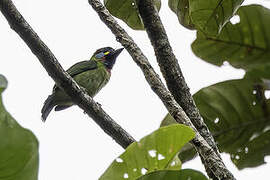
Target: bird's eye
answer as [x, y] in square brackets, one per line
[107, 52]
[100, 55]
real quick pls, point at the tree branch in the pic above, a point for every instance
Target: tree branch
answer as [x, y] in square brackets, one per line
[170, 68]
[61, 78]
[210, 157]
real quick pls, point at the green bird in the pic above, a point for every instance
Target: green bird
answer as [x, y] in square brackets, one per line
[92, 75]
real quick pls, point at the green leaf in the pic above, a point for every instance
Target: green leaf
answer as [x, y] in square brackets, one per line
[253, 154]
[3, 83]
[237, 114]
[244, 45]
[18, 147]
[181, 9]
[184, 174]
[154, 152]
[211, 16]
[168, 120]
[127, 11]
[235, 111]
[187, 152]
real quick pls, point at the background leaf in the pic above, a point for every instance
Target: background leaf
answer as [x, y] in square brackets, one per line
[181, 9]
[18, 147]
[3, 83]
[210, 16]
[244, 45]
[184, 174]
[254, 152]
[127, 11]
[237, 114]
[154, 152]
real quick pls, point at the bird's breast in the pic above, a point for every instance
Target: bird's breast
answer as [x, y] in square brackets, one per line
[93, 80]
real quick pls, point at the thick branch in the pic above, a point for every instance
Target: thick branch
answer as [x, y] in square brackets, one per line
[212, 159]
[170, 68]
[61, 78]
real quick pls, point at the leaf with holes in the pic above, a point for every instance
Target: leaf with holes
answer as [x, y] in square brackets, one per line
[253, 153]
[211, 16]
[127, 11]
[237, 114]
[244, 45]
[181, 9]
[185, 174]
[154, 152]
[18, 146]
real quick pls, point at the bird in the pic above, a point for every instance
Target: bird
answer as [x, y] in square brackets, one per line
[91, 75]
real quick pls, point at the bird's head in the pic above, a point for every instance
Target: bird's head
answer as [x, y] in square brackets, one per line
[107, 56]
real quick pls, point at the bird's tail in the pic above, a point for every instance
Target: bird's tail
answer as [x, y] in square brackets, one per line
[47, 107]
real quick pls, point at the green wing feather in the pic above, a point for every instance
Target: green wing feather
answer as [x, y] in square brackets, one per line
[81, 67]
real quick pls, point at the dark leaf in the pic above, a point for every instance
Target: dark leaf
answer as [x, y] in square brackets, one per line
[237, 114]
[127, 11]
[181, 9]
[244, 45]
[253, 153]
[211, 16]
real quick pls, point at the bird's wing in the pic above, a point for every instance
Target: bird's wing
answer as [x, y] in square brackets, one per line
[81, 67]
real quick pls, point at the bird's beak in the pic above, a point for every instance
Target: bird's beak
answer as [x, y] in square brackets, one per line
[117, 52]
[111, 58]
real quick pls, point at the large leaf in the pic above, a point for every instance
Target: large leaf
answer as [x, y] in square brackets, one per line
[237, 114]
[210, 16]
[185, 174]
[154, 152]
[244, 45]
[18, 147]
[127, 11]
[181, 9]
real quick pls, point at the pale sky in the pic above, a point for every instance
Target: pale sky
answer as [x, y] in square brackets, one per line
[72, 146]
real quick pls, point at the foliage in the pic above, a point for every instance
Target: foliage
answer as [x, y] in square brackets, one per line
[211, 16]
[154, 152]
[174, 175]
[237, 114]
[126, 10]
[181, 9]
[244, 45]
[18, 146]
[206, 16]
[236, 111]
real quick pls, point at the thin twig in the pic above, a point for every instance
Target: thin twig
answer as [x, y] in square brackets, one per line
[61, 78]
[212, 159]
